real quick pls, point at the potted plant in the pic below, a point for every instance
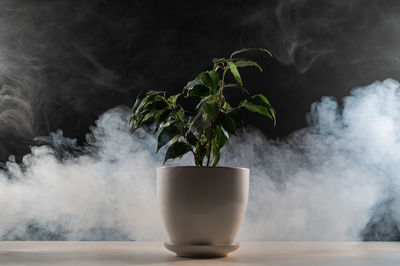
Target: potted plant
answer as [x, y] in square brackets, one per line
[202, 206]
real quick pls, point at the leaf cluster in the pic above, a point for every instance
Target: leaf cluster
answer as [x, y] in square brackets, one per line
[206, 129]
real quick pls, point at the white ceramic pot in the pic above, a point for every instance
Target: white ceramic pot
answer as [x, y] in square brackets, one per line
[202, 208]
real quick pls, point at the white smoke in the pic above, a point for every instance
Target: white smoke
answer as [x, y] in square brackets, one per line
[324, 182]
[108, 193]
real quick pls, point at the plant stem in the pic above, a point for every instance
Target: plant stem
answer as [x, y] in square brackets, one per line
[209, 149]
[222, 84]
[177, 118]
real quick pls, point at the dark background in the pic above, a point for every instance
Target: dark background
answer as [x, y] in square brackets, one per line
[63, 63]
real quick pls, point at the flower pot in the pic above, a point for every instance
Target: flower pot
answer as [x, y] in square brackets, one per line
[202, 208]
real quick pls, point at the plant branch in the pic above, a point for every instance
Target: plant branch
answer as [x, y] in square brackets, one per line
[209, 149]
[221, 89]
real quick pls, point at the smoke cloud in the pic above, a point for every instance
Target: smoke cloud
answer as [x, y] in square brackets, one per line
[106, 193]
[359, 36]
[324, 182]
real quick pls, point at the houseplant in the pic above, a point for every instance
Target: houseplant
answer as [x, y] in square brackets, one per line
[202, 206]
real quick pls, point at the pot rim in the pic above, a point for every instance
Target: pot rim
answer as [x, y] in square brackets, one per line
[206, 167]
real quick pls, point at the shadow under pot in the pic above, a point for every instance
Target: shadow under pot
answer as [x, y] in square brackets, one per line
[202, 208]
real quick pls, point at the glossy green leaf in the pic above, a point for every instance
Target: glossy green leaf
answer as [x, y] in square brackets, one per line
[258, 103]
[191, 138]
[138, 100]
[200, 154]
[158, 115]
[205, 79]
[161, 117]
[227, 106]
[166, 135]
[193, 83]
[174, 98]
[256, 108]
[246, 63]
[216, 154]
[198, 91]
[147, 117]
[235, 72]
[150, 98]
[177, 149]
[227, 123]
[250, 49]
[222, 137]
[156, 105]
[214, 77]
[210, 107]
[261, 100]
[237, 117]
[217, 60]
[180, 112]
[262, 97]
[207, 152]
[195, 118]
[209, 79]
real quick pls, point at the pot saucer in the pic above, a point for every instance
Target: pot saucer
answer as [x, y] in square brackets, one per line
[201, 251]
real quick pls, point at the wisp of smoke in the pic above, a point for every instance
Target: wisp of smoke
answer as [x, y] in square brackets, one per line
[322, 183]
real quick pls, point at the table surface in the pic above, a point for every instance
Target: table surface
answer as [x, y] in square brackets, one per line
[154, 253]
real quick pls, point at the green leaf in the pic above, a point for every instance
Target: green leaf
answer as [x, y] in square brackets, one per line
[246, 63]
[205, 79]
[221, 137]
[209, 79]
[210, 107]
[193, 83]
[217, 67]
[207, 152]
[250, 49]
[214, 77]
[198, 91]
[262, 97]
[160, 113]
[166, 135]
[217, 60]
[156, 105]
[200, 153]
[161, 117]
[191, 138]
[256, 108]
[227, 123]
[138, 100]
[178, 149]
[147, 117]
[235, 72]
[227, 106]
[201, 102]
[260, 104]
[173, 98]
[180, 112]
[151, 98]
[193, 119]
[263, 101]
[237, 117]
[216, 154]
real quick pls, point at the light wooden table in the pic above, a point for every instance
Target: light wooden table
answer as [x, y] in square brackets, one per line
[153, 253]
